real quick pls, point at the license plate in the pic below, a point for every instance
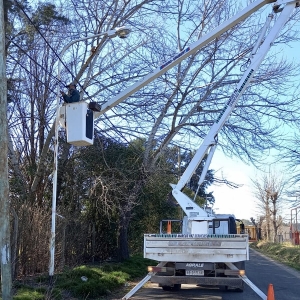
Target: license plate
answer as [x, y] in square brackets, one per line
[194, 272]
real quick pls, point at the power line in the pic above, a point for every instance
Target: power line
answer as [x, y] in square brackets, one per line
[32, 59]
[43, 68]
[32, 74]
[57, 55]
[53, 50]
[38, 30]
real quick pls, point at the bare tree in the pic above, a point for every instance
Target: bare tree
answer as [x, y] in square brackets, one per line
[290, 156]
[269, 189]
[179, 107]
[30, 113]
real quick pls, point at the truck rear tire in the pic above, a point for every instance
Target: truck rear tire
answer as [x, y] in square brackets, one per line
[240, 290]
[223, 288]
[176, 287]
[241, 265]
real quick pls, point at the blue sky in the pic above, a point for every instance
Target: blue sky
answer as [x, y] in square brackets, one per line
[238, 201]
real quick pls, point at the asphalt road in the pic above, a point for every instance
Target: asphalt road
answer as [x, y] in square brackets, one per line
[260, 270]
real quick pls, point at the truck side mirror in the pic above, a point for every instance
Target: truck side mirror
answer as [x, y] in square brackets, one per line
[242, 228]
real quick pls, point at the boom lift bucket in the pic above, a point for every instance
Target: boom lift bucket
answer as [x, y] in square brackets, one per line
[79, 124]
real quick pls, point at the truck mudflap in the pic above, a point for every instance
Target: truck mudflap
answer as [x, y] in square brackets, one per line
[197, 280]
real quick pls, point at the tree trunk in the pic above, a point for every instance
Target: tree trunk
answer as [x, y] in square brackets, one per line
[275, 227]
[6, 278]
[123, 249]
[63, 245]
[15, 234]
[125, 217]
[93, 246]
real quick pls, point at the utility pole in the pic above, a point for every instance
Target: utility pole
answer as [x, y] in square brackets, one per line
[6, 278]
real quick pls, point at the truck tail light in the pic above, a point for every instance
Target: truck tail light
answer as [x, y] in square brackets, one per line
[235, 272]
[157, 269]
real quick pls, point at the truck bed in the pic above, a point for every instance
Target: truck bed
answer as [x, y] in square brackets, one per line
[196, 247]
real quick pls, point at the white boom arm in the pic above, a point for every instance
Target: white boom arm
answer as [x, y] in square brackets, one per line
[210, 139]
[203, 41]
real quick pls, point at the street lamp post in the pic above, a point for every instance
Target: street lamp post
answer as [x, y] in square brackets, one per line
[121, 32]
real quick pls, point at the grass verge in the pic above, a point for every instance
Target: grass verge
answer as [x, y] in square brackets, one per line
[285, 253]
[103, 281]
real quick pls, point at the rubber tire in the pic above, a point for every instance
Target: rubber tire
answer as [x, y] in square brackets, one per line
[223, 288]
[176, 287]
[242, 266]
[240, 290]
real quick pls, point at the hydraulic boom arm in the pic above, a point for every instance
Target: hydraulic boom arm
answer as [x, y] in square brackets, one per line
[209, 142]
[203, 41]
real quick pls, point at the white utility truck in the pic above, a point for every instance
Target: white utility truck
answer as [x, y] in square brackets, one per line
[207, 249]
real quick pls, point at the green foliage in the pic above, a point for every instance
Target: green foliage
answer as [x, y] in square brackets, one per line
[154, 206]
[46, 13]
[156, 201]
[193, 184]
[45, 17]
[136, 266]
[285, 253]
[10, 8]
[108, 172]
[55, 294]
[28, 293]
[100, 280]
[97, 282]
[191, 194]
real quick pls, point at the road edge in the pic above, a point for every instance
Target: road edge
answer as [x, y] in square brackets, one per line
[290, 270]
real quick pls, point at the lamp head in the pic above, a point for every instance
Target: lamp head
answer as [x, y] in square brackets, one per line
[122, 32]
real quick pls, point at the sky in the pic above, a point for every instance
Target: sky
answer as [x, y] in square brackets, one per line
[238, 201]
